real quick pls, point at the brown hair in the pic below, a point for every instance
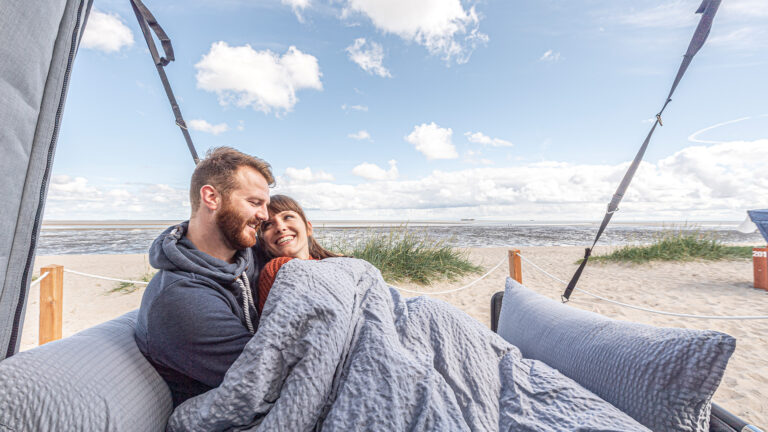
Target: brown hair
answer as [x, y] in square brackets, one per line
[281, 203]
[218, 169]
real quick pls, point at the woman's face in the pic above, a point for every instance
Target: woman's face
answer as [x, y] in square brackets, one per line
[286, 234]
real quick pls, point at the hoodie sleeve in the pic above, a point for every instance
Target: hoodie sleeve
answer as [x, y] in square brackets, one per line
[193, 330]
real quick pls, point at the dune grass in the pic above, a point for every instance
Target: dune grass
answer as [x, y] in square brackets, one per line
[408, 255]
[127, 287]
[678, 244]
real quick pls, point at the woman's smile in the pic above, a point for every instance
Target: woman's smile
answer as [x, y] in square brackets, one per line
[283, 240]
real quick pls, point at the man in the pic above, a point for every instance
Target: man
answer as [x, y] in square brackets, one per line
[198, 311]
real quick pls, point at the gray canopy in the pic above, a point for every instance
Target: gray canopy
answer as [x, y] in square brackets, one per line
[38, 43]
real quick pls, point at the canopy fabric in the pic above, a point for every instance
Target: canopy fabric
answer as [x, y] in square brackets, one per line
[760, 218]
[38, 43]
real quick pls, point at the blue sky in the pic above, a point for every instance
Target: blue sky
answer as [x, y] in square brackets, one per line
[429, 109]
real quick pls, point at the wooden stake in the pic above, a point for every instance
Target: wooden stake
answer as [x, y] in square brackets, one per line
[515, 265]
[51, 305]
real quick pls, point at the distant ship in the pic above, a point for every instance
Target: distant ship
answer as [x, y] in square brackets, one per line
[467, 220]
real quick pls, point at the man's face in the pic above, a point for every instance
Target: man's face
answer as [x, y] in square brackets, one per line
[242, 211]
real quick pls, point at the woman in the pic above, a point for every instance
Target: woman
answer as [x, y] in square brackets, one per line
[286, 235]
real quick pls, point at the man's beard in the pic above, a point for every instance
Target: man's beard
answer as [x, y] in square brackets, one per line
[232, 225]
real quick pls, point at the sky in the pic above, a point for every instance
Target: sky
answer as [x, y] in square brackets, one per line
[423, 109]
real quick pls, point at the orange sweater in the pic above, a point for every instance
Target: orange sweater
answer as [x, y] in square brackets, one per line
[267, 278]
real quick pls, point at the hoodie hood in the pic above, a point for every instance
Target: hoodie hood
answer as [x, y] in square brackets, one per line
[173, 251]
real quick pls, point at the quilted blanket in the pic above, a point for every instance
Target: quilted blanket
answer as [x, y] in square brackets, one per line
[337, 349]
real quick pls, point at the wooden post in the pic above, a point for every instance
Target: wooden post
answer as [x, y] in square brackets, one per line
[760, 263]
[515, 265]
[51, 306]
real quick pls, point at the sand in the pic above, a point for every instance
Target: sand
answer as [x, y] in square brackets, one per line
[707, 288]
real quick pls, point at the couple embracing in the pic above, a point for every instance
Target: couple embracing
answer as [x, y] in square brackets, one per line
[215, 271]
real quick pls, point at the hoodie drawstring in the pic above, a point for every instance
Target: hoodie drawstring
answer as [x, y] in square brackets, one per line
[247, 300]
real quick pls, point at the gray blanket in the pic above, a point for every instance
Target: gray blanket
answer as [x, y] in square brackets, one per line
[339, 350]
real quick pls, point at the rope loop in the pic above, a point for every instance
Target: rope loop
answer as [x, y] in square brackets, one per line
[455, 289]
[40, 279]
[105, 277]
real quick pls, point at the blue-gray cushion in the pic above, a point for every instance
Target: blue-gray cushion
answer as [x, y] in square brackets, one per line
[663, 377]
[96, 380]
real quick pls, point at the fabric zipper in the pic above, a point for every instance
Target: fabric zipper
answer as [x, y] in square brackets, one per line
[11, 349]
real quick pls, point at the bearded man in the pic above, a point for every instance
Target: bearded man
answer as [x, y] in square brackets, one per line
[198, 311]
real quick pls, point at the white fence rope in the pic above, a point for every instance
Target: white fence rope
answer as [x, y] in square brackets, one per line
[38, 280]
[682, 315]
[105, 278]
[455, 289]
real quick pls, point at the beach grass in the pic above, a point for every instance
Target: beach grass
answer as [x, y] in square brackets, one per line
[407, 255]
[128, 287]
[678, 244]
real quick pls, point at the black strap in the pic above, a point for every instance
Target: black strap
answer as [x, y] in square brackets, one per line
[708, 9]
[147, 21]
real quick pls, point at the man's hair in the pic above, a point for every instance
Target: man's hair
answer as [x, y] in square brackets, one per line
[218, 169]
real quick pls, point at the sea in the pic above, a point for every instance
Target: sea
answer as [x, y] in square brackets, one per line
[131, 237]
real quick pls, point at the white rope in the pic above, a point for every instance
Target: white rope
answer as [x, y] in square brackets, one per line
[37, 281]
[105, 278]
[455, 289]
[682, 315]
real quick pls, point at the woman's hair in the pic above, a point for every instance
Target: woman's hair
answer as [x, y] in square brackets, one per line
[281, 203]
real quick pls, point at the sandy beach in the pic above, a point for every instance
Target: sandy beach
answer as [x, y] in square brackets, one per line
[707, 288]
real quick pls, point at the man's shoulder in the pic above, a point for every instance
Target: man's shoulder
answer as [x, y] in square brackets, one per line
[170, 294]
[175, 285]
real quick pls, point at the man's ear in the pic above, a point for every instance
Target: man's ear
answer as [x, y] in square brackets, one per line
[210, 198]
[309, 228]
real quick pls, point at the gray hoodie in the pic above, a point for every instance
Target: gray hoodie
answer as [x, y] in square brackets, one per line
[191, 324]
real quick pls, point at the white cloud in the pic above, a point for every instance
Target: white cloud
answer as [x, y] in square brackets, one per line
[433, 141]
[444, 27]
[259, 79]
[550, 56]
[701, 182]
[744, 8]
[715, 182]
[740, 23]
[480, 138]
[746, 37]
[66, 188]
[360, 135]
[106, 32]
[670, 14]
[298, 7]
[204, 126]
[374, 172]
[346, 107]
[306, 175]
[369, 56]
[473, 157]
[72, 198]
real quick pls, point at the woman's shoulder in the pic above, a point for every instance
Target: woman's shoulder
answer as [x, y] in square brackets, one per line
[277, 262]
[274, 265]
